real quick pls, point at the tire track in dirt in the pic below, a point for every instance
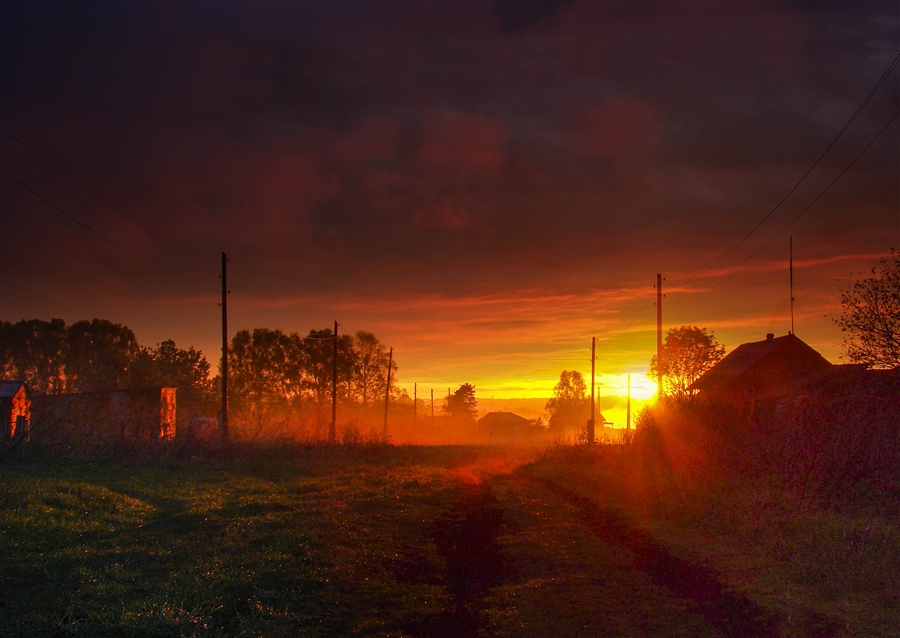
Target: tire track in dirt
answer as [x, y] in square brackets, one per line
[700, 587]
[466, 538]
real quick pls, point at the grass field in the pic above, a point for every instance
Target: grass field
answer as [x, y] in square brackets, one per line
[378, 540]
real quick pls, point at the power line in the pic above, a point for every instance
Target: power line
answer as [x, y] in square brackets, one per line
[810, 205]
[94, 194]
[850, 121]
[89, 228]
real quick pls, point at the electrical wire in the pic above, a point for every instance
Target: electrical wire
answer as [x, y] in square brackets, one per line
[83, 187]
[99, 197]
[693, 274]
[87, 227]
[810, 205]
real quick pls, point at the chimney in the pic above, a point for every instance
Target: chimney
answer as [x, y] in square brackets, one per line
[770, 336]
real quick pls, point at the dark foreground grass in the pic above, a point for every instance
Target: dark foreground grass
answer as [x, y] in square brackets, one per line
[429, 542]
[814, 572]
[318, 542]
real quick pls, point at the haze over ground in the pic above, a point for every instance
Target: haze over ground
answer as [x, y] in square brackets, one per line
[483, 186]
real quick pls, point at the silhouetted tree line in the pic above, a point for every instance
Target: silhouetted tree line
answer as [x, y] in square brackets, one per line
[279, 382]
[99, 355]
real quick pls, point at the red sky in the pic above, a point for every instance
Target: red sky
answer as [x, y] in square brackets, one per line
[485, 186]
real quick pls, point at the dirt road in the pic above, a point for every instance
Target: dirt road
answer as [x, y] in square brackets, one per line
[526, 557]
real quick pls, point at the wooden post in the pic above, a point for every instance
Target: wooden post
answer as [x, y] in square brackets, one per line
[659, 347]
[223, 418]
[628, 407]
[387, 391]
[591, 424]
[332, 429]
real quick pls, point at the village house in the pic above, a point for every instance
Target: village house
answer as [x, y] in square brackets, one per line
[507, 424]
[759, 370]
[15, 411]
[781, 379]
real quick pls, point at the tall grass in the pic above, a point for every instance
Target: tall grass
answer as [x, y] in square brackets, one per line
[802, 512]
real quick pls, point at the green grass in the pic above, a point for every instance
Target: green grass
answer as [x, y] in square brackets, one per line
[307, 545]
[378, 540]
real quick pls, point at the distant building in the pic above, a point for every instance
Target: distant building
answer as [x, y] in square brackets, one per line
[760, 369]
[15, 411]
[105, 418]
[507, 424]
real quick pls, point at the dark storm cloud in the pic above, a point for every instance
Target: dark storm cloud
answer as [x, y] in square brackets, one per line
[321, 140]
[514, 16]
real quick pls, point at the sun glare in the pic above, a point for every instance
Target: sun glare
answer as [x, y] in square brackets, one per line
[643, 388]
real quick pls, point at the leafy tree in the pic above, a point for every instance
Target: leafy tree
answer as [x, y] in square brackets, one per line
[688, 352]
[318, 362]
[98, 354]
[170, 366]
[278, 380]
[570, 405]
[257, 366]
[369, 374]
[462, 404]
[871, 316]
[33, 351]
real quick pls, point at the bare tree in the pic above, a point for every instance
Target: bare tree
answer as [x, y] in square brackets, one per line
[871, 317]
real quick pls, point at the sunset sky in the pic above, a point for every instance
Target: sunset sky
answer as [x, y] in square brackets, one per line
[485, 186]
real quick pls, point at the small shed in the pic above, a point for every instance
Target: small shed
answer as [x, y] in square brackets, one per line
[15, 411]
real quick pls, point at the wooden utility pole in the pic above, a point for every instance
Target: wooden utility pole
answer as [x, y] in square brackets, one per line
[387, 390]
[332, 429]
[591, 426]
[659, 342]
[415, 399]
[223, 418]
[628, 407]
[791, 248]
[432, 409]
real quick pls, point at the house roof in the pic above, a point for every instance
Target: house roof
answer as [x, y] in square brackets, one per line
[10, 388]
[503, 419]
[789, 353]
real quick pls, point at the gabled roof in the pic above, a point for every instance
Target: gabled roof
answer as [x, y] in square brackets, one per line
[9, 389]
[787, 355]
[503, 420]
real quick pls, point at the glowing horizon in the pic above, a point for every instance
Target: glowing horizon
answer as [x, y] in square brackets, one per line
[485, 207]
